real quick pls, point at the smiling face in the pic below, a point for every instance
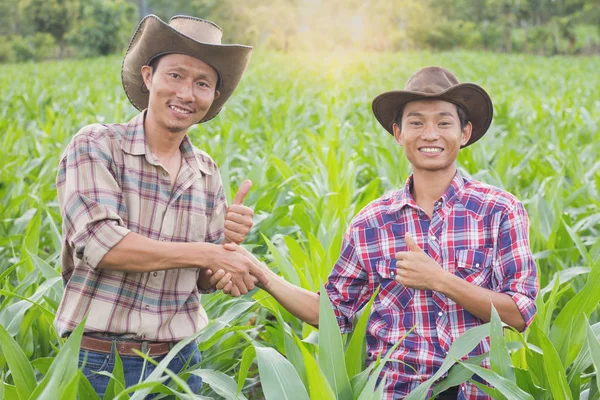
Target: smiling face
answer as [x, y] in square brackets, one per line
[182, 89]
[431, 135]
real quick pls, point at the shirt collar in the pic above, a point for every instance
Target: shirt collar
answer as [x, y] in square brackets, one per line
[134, 143]
[403, 197]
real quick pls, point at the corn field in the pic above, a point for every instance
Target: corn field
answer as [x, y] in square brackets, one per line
[301, 128]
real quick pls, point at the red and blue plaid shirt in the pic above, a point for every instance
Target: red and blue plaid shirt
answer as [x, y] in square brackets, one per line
[477, 232]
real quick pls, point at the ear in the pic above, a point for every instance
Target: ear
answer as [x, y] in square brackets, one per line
[217, 94]
[397, 133]
[147, 75]
[466, 134]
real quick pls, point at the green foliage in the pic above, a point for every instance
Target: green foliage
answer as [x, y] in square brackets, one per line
[304, 133]
[104, 28]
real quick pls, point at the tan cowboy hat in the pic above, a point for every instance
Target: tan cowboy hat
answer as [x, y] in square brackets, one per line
[437, 83]
[182, 35]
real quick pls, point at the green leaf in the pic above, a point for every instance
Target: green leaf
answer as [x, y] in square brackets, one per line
[554, 369]
[355, 353]
[21, 370]
[594, 346]
[247, 359]
[86, 390]
[330, 349]
[278, 378]
[509, 389]
[222, 384]
[63, 369]
[458, 374]
[499, 355]
[460, 348]
[117, 381]
[369, 388]
[318, 386]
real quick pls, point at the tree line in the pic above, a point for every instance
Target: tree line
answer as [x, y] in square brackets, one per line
[34, 30]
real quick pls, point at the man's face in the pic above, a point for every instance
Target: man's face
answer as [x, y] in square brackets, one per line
[431, 134]
[182, 89]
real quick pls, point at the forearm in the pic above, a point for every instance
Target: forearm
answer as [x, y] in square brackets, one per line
[300, 302]
[137, 253]
[478, 301]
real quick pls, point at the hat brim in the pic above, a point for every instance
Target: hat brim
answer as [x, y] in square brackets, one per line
[154, 37]
[472, 98]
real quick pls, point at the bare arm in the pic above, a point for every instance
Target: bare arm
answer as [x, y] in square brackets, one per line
[300, 302]
[136, 253]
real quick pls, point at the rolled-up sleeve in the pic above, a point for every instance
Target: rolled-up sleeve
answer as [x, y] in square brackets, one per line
[91, 201]
[347, 285]
[514, 271]
[215, 230]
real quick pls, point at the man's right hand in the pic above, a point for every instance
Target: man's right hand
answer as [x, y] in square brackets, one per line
[244, 273]
[256, 263]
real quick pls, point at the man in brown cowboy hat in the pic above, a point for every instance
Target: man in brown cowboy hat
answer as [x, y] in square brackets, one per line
[442, 249]
[144, 211]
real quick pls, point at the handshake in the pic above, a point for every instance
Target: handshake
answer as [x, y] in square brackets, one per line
[234, 269]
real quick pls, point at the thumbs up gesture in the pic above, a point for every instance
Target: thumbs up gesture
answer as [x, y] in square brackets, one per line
[238, 218]
[415, 269]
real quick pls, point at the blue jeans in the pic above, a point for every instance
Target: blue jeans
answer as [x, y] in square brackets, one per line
[133, 365]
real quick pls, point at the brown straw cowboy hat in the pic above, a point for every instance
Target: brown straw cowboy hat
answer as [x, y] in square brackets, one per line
[183, 35]
[440, 84]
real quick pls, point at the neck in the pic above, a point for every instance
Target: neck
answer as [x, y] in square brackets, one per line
[160, 139]
[428, 186]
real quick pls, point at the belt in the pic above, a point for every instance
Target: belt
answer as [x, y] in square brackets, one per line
[125, 347]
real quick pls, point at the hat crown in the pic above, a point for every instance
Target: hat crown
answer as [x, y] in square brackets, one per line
[198, 29]
[431, 80]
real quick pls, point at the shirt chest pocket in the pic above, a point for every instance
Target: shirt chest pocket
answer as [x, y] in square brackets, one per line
[195, 227]
[392, 294]
[474, 265]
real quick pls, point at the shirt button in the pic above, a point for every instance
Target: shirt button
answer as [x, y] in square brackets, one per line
[392, 275]
[146, 307]
[142, 336]
[163, 240]
[155, 274]
[165, 174]
[477, 265]
[433, 237]
[440, 313]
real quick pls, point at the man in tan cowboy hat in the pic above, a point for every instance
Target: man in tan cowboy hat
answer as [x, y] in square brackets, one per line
[144, 211]
[441, 250]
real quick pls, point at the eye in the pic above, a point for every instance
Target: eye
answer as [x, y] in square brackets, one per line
[174, 75]
[202, 84]
[415, 123]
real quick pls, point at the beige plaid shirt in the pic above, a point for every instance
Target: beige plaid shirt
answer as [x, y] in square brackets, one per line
[109, 184]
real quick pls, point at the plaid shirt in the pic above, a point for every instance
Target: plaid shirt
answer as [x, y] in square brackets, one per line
[109, 184]
[477, 232]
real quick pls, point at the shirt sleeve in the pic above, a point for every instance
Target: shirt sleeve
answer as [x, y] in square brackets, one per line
[515, 272]
[347, 285]
[215, 230]
[90, 199]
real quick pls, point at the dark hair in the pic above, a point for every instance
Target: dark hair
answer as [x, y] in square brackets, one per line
[462, 116]
[154, 62]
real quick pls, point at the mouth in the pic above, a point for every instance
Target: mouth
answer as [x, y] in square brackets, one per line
[180, 110]
[430, 150]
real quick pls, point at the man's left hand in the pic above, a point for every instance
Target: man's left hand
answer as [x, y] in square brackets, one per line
[415, 269]
[238, 219]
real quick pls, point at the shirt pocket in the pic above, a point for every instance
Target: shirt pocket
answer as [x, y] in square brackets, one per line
[474, 265]
[196, 227]
[392, 294]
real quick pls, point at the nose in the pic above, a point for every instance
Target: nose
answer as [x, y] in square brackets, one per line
[430, 133]
[185, 92]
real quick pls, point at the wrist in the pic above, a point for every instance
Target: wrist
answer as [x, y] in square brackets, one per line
[204, 255]
[444, 282]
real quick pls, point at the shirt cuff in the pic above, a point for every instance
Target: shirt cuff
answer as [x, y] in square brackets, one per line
[526, 306]
[207, 291]
[106, 234]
